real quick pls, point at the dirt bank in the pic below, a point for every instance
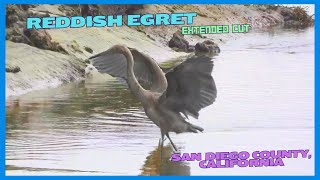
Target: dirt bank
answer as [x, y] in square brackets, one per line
[47, 58]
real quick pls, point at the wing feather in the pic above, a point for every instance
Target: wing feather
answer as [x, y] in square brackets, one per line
[115, 64]
[190, 86]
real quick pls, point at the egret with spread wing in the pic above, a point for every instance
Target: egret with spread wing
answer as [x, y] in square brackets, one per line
[185, 89]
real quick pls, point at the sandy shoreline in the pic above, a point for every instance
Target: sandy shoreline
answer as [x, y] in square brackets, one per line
[40, 68]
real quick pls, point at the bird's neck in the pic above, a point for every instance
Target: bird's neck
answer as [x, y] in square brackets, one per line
[135, 87]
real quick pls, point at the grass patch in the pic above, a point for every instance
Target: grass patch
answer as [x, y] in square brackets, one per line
[89, 50]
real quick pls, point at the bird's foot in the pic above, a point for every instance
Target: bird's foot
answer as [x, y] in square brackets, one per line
[175, 150]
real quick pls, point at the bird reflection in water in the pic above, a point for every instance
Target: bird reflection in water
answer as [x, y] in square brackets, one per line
[154, 166]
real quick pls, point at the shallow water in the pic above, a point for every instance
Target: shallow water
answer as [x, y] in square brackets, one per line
[265, 100]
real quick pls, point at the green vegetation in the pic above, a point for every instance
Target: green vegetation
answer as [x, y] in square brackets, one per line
[89, 50]
[75, 46]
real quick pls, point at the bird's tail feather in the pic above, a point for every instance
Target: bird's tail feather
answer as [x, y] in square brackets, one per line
[194, 128]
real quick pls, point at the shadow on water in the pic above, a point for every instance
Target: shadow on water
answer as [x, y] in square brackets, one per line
[153, 165]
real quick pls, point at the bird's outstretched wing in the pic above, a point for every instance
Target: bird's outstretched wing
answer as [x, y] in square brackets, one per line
[115, 64]
[190, 86]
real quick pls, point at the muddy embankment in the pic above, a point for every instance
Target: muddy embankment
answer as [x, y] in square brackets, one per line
[37, 59]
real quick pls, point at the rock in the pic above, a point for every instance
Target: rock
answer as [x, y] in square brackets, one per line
[178, 42]
[98, 9]
[89, 70]
[191, 48]
[286, 13]
[89, 10]
[13, 69]
[132, 8]
[207, 47]
[16, 31]
[25, 7]
[11, 16]
[41, 39]
[296, 17]
[18, 39]
[11, 20]
[14, 34]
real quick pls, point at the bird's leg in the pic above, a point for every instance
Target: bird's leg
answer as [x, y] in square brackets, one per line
[161, 145]
[173, 146]
[160, 139]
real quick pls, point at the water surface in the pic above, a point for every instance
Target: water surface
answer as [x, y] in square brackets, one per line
[265, 85]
